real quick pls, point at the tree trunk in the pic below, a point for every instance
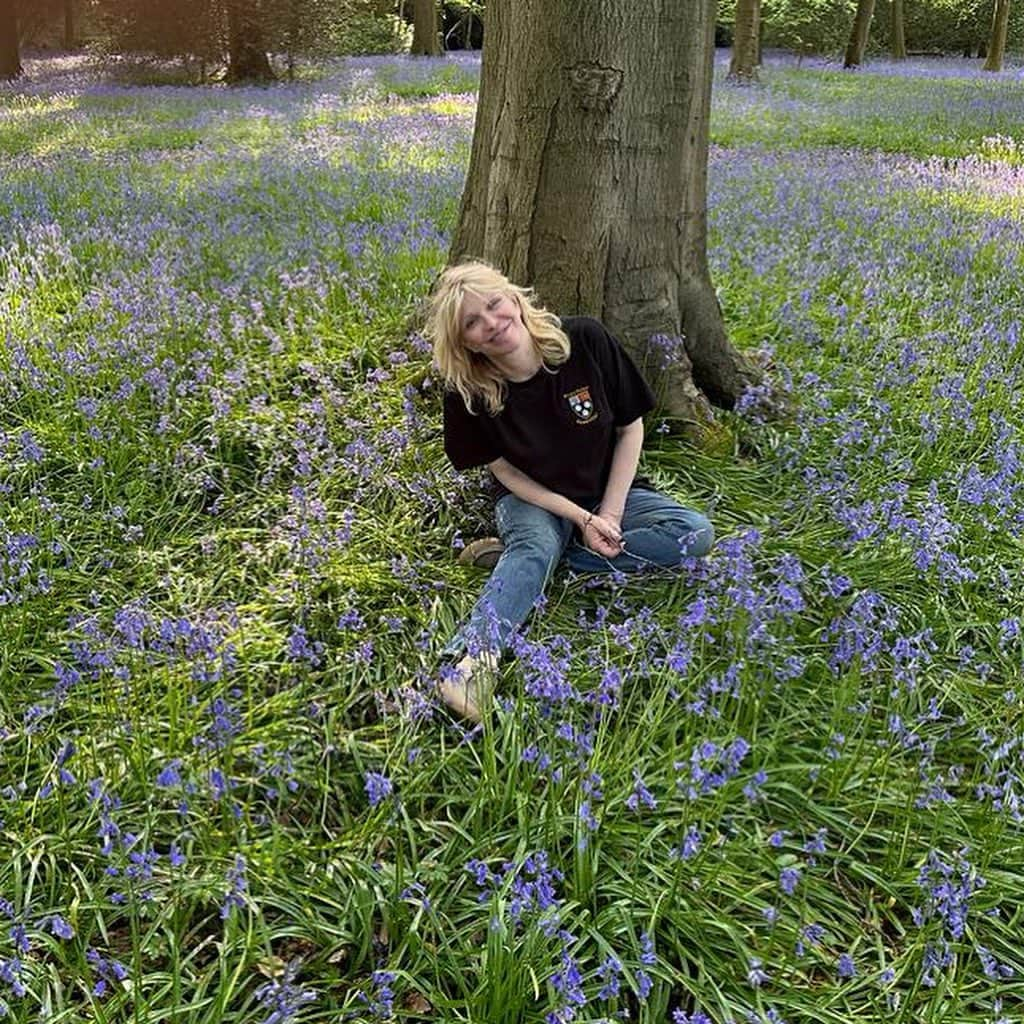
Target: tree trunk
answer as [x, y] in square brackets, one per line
[588, 179]
[997, 40]
[745, 42]
[247, 56]
[10, 59]
[69, 24]
[859, 34]
[897, 37]
[424, 29]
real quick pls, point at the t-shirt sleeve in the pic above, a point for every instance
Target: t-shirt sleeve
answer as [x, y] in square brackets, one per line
[468, 441]
[628, 392]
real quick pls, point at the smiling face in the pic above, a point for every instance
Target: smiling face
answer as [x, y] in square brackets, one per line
[492, 324]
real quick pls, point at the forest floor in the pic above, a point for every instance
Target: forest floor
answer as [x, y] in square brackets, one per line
[782, 785]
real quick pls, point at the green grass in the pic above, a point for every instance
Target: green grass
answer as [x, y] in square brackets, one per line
[226, 567]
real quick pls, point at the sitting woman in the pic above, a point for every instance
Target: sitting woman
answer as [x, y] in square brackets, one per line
[553, 407]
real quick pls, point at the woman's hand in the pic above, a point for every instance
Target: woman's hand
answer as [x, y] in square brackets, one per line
[601, 535]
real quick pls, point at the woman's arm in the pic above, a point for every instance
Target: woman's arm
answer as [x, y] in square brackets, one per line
[598, 533]
[624, 462]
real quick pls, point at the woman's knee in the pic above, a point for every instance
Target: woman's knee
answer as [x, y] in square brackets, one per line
[540, 546]
[696, 536]
[690, 534]
[531, 534]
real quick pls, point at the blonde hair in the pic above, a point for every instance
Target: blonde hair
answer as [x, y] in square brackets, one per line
[471, 374]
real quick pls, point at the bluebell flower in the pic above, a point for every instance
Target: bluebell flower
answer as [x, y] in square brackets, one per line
[644, 984]
[19, 937]
[107, 971]
[609, 972]
[378, 787]
[756, 974]
[59, 927]
[282, 997]
[640, 795]
[690, 846]
[697, 1017]
[238, 885]
[789, 878]
[170, 774]
[846, 968]
[11, 971]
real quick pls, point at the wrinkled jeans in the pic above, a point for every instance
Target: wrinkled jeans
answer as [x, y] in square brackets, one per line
[656, 532]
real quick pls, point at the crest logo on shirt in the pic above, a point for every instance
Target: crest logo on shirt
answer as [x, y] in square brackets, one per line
[581, 404]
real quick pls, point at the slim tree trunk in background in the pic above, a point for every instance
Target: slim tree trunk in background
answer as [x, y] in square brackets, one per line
[997, 40]
[247, 55]
[897, 38]
[745, 41]
[424, 31]
[859, 34]
[10, 59]
[588, 179]
[69, 24]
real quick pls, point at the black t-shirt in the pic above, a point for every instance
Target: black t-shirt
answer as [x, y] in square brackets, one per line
[557, 427]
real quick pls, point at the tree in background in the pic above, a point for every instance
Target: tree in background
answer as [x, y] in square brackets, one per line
[859, 34]
[897, 39]
[10, 54]
[463, 24]
[425, 39]
[193, 29]
[806, 26]
[240, 34]
[997, 37]
[746, 41]
[588, 180]
[247, 48]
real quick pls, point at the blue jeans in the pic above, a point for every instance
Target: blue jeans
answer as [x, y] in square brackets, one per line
[656, 532]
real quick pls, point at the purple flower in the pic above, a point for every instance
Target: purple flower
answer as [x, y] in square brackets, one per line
[846, 968]
[170, 775]
[19, 937]
[644, 984]
[640, 795]
[60, 927]
[378, 787]
[106, 970]
[10, 973]
[756, 975]
[609, 973]
[238, 885]
[282, 997]
[789, 878]
[690, 846]
[697, 1017]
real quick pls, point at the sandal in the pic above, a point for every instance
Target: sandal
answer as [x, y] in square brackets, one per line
[482, 553]
[468, 686]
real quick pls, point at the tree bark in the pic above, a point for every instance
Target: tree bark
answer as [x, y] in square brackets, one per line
[859, 34]
[588, 179]
[69, 24]
[897, 37]
[424, 29]
[10, 57]
[746, 42]
[247, 55]
[997, 39]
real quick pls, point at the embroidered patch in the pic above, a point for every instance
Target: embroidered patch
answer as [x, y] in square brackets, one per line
[581, 404]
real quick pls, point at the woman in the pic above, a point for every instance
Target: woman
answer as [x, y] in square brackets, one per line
[553, 407]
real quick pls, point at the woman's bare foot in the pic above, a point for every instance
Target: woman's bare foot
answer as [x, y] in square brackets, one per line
[467, 689]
